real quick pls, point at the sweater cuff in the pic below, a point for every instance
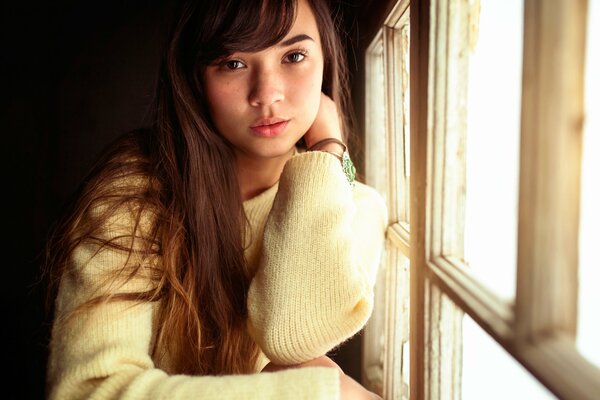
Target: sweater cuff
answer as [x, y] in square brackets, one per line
[316, 168]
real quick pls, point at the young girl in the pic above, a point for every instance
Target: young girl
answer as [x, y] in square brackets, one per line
[223, 252]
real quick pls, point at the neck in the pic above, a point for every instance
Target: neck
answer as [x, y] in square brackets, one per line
[255, 175]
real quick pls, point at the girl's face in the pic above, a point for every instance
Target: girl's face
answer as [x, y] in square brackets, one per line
[264, 102]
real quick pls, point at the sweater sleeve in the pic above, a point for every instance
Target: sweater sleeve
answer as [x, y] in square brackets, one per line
[104, 351]
[321, 251]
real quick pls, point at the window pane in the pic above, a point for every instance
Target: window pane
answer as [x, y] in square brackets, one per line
[374, 334]
[396, 363]
[493, 125]
[490, 373]
[376, 176]
[402, 116]
[589, 226]
[375, 117]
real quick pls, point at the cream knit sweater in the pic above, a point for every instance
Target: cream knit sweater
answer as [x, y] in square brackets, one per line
[314, 243]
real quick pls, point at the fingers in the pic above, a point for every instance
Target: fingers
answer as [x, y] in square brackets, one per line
[326, 124]
[350, 389]
[322, 361]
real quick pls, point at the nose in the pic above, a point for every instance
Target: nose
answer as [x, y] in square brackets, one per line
[267, 89]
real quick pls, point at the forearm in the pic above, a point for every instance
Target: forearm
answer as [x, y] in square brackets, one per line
[104, 353]
[313, 289]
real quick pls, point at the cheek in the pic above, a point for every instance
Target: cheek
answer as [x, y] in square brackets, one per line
[307, 92]
[216, 96]
[223, 102]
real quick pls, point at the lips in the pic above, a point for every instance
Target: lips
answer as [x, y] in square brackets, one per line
[269, 127]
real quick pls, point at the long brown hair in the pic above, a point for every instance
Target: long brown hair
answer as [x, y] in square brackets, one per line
[183, 175]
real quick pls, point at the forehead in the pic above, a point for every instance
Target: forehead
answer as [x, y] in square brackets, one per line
[305, 22]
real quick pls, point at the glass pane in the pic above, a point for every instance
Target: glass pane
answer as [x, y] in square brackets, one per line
[377, 177]
[490, 373]
[493, 125]
[376, 141]
[402, 116]
[396, 363]
[373, 353]
[589, 225]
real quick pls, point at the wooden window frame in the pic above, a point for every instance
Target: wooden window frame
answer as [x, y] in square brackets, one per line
[384, 354]
[539, 329]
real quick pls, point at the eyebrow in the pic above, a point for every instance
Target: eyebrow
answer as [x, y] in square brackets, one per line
[295, 39]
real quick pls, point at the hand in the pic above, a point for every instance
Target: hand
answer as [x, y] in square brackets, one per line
[349, 388]
[352, 390]
[322, 361]
[326, 124]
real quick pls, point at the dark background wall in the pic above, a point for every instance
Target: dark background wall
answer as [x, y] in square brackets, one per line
[76, 75]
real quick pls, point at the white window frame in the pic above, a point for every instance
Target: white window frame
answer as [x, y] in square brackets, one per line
[385, 343]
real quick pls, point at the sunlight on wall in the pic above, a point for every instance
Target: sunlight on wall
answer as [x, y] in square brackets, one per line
[589, 266]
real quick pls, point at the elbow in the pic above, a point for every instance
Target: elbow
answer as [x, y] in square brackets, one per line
[303, 334]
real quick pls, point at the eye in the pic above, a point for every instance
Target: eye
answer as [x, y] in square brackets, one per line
[233, 64]
[295, 57]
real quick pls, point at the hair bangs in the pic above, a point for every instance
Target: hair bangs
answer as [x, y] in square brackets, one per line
[247, 26]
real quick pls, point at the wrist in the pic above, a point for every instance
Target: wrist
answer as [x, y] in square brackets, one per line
[326, 144]
[335, 147]
[312, 140]
[346, 163]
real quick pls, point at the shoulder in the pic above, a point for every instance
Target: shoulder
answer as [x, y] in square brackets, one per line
[120, 184]
[124, 169]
